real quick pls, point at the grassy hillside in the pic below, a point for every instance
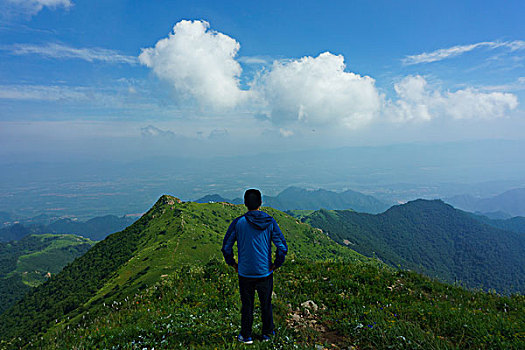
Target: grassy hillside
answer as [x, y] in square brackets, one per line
[434, 238]
[355, 305]
[170, 234]
[27, 263]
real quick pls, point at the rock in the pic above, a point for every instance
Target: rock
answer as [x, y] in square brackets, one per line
[296, 318]
[309, 304]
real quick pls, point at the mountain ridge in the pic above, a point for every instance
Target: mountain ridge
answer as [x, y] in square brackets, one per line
[171, 233]
[296, 198]
[96, 228]
[434, 238]
[34, 259]
[511, 202]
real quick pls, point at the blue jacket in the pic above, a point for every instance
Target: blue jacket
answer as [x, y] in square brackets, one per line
[254, 232]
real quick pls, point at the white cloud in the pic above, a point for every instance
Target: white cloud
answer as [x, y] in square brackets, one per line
[470, 104]
[441, 54]
[218, 133]
[32, 7]
[318, 91]
[417, 101]
[311, 91]
[151, 131]
[54, 50]
[285, 132]
[200, 63]
[41, 93]
[518, 84]
[256, 60]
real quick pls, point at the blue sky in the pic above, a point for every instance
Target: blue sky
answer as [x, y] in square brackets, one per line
[81, 76]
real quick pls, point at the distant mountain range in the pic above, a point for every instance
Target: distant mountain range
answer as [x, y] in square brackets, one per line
[294, 198]
[433, 238]
[95, 229]
[515, 224]
[4, 217]
[511, 202]
[34, 259]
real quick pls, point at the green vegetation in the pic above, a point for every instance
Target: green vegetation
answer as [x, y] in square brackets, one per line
[171, 233]
[300, 214]
[433, 238]
[18, 231]
[515, 224]
[161, 283]
[354, 304]
[30, 262]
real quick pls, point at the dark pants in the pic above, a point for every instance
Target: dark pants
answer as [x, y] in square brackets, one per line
[264, 288]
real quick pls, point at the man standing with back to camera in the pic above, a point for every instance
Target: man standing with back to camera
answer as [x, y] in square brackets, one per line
[254, 232]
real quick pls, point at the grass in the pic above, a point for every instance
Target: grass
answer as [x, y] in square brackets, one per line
[58, 251]
[358, 304]
[171, 290]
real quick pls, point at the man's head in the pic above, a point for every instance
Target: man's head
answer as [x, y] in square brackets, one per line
[252, 199]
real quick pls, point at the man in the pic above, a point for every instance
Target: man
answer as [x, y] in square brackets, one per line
[254, 232]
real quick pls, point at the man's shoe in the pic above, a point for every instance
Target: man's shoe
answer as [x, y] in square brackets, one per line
[268, 337]
[244, 340]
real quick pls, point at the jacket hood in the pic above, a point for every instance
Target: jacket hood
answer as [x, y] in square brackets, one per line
[258, 219]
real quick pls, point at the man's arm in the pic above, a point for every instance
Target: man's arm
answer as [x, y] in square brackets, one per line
[280, 243]
[227, 244]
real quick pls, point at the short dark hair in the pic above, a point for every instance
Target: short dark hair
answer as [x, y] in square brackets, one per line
[252, 199]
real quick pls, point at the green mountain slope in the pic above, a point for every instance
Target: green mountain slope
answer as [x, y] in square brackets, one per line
[30, 261]
[18, 231]
[434, 238]
[171, 233]
[317, 305]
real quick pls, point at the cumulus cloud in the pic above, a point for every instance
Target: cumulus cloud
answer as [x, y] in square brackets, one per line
[441, 54]
[54, 50]
[317, 91]
[417, 101]
[202, 65]
[199, 63]
[151, 131]
[32, 7]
